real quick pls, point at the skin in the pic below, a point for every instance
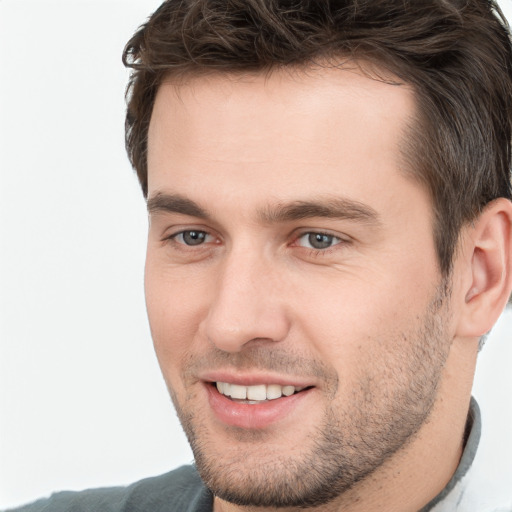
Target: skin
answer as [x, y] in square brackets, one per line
[367, 323]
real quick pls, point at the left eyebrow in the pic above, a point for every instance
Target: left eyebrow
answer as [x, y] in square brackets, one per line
[332, 208]
[175, 203]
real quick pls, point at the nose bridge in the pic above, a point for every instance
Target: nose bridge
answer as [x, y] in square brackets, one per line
[246, 304]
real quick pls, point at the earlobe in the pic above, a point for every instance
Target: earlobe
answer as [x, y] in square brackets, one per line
[488, 249]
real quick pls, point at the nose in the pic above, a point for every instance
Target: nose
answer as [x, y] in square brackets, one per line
[247, 305]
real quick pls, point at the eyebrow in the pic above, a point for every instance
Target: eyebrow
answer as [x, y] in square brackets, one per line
[332, 208]
[175, 203]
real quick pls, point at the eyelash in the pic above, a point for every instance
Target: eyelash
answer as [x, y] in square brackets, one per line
[332, 239]
[184, 246]
[181, 245]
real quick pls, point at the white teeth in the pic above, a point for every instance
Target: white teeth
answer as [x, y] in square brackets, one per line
[256, 393]
[274, 391]
[288, 390]
[238, 392]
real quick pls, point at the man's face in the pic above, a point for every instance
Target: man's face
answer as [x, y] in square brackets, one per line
[291, 265]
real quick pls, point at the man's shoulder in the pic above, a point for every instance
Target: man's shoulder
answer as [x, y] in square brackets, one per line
[180, 490]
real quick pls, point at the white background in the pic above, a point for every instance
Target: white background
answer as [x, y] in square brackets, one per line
[82, 403]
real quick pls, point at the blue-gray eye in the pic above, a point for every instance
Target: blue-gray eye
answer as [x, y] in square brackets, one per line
[318, 240]
[192, 237]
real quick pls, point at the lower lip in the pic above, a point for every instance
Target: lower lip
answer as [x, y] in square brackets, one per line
[253, 416]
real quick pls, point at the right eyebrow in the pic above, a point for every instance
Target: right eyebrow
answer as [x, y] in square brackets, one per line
[175, 203]
[330, 207]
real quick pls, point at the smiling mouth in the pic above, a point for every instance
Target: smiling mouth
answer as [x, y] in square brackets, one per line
[256, 394]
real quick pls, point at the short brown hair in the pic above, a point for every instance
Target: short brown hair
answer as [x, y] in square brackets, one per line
[455, 53]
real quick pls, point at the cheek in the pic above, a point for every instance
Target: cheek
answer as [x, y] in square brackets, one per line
[362, 318]
[175, 307]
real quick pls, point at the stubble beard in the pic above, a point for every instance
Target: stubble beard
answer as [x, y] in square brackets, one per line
[348, 445]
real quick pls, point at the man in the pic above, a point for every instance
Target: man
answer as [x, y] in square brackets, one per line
[330, 240]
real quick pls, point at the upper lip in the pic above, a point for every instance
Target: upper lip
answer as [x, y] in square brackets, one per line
[253, 378]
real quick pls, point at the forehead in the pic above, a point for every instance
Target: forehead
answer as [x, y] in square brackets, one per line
[296, 128]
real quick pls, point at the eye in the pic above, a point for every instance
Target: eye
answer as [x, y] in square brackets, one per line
[192, 237]
[318, 241]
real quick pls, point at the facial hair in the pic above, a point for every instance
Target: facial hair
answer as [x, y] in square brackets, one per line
[352, 440]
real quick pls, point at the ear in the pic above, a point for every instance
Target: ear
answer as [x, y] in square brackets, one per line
[487, 249]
